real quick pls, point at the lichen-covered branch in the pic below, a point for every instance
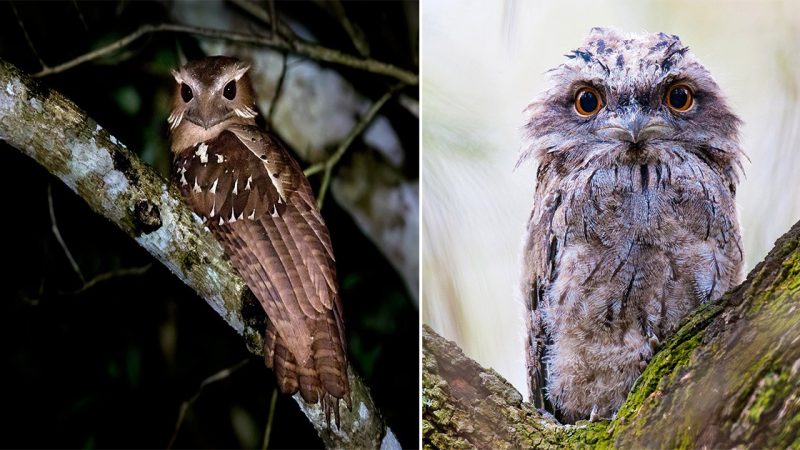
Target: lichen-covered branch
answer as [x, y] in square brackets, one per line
[730, 377]
[46, 126]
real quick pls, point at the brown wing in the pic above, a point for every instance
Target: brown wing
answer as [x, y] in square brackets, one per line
[257, 202]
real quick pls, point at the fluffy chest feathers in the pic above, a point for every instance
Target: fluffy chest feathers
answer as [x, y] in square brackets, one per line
[622, 253]
[637, 242]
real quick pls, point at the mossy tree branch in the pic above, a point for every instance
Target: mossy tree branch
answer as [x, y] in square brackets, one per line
[730, 377]
[46, 126]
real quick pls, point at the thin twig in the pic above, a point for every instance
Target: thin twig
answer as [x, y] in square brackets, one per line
[273, 17]
[298, 47]
[27, 37]
[80, 15]
[327, 165]
[336, 8]
[125, 272]
[57, 233]
[255, 10]
[221, 375]
[278, 89]
[268, 430]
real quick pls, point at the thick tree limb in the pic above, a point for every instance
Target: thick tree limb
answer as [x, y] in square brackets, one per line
[44, 125]
[730, 377]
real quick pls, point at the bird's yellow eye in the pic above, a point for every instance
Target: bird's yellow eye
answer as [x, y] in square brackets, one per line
[588, 101]
[679, 97]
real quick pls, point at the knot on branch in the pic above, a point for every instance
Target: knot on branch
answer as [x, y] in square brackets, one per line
[146, 217]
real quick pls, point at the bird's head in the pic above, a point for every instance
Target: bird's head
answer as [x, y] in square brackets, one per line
[631, 98]
[211, 91]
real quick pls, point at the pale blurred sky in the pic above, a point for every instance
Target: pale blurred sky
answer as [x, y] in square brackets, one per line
[483, 62]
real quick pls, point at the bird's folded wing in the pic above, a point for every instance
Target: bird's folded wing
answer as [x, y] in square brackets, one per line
[256, 200]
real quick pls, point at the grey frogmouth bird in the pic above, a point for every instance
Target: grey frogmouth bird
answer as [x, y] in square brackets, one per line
[634, 218]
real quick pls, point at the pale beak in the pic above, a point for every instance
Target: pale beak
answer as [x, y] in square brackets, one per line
[635, 129]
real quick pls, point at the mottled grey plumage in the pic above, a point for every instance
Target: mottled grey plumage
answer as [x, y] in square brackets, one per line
[634, 220]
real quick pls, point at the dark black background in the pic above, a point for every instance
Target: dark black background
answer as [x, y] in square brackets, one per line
[110, 366]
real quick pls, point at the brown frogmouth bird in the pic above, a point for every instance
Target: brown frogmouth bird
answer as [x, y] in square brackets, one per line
[256, 201]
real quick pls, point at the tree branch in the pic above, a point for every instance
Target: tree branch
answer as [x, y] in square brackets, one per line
[328, 164]
[295, 46]
[44, 125]
[730, 377]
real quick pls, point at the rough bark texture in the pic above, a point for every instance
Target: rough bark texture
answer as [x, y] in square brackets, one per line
[49, 128]
[730, 377]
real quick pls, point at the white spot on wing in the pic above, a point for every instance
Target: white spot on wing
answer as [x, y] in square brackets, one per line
[196, 187]
[220, 158]
[214, 186]
[249, 179]
[252, 215]
[274, 211]
[236, 187]
[233, 217]
[202, 152]
[182, 171]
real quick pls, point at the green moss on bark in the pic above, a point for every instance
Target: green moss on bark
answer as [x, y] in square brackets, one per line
[729, 377]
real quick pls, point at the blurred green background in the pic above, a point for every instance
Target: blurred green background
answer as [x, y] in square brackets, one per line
[483, 62]
[110, 366]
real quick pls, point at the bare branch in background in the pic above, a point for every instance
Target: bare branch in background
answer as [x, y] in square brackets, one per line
[57, 234]
[219, 376]
[270, 419]
[27, 36]
[336, 8]
[298, 47]
[125, 272]
[277, 28]
[362, 124]
[278, 89]
[44, 125]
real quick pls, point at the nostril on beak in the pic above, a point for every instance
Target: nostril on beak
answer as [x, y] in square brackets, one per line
[619, 133]
[635, 128]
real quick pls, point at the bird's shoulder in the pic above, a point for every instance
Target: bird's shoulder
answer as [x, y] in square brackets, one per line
[242, 173]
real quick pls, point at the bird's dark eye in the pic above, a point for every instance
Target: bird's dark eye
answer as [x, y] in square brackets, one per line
[588, 101]
[680, 97]
[230, 90]
[186, 92]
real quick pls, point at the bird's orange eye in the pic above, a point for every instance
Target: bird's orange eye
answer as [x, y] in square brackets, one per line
[588, 101]
[679, 97]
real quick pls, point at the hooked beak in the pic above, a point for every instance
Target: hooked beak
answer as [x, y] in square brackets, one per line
[635, 129]
[204, 120]
[205, 115]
